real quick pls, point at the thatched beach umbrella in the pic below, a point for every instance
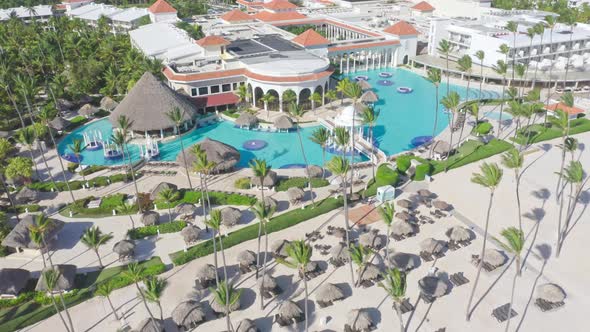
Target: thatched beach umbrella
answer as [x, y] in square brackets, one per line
[161, 187]
[370, 272]
[458, 233]
[340, 252]
[404, 216]
[364, 85]
[147, 325]
[230, 216]
[246, 325]
[279, 247]
[329, 292]
[371, 239]
[431, 245]
[404, 203]
[311, 266]
[65, 281]
[20, 235]
[188, 314]
[402, 228]
[283, 122]
[339, 233]
[441, 147]
[246, 258]
[268, 281]
[221, 308]
[314, 171]
[206, 272]
[124, 248]
[26, 195]
[185, 209]
[290, 310]
[190, 233]
[108, 104]
[369, 97]
[441, 205]
[64, 105]
[359, 319]
[87, 110]
[432, 286]
[494, 257]
[295, 194]
[59, 123]
[150, 218]
[247, 120]
[224, 156]
[270, 202]
[12, 281]
[425, 193]
[403, 261]
[551, 293]
[269, 180]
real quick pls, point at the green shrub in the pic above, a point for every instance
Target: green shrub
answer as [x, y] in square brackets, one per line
[100, 181]
[538, 133]
[23, 208]
[216, 198]
[301, 182]
[72, 167]
[471, 151]
[92, 169]
[21, 298]
[44, 299]
[112, 201]
[242, 183]
[385, 176]
[421, 171]
[169, 227]
[482, 128]
[107, 204]
[250, 232]
[403, 163]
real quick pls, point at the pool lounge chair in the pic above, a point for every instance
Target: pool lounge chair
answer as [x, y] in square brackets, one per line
[458, 279]
[324, 304]
[283, 321]
[406, 306]
[501, 313]
[427, 257]
[545, 305]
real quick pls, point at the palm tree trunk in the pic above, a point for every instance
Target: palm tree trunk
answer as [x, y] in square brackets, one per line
[10, 200]
[347, 225]
[448, 73]
[147, 308]
[63, 302]
[306, 300]
[518, 205]
[161, 311]
[188, 177]
[133, 178]
[99, 260]
[387, 242]
[481, 77]
[32, 156]
[435, 120]
[215, 259]
[569, 56]
[372, 148]
[399, 317]
[264, 263]
[501, 107]
[352, 151]
[516, 274]
[47, 166]
[112, 307]
[259, 240]
[228, 320]
[61, 317]
[562, 165]
[463, 124]
[203, 206]
[324, 161]
[483, 249]
[13, 100]
[550, 74]
[452, 116]
[61, 164]
[132, 222]
[306, 165]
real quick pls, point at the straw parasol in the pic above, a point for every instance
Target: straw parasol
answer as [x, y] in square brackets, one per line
[108, 104]
[311, 266]
[370, 272]
[289, 310]
[188, 314]
[364, 85]
[551, 293]
[494, 257]
[371, 239]
[359, 319]
[87, 110]
[185, 209]
[458, 233]
[65, 281]
[220, 308]
[224, 156]
[246, 258]
[402, 228]
[404, 203]
[369, 97]
[247, 120]
[340, 252]
[206, 272]
[441, 147]
[64, 105]
[425, 193]
[270, 202]
[246, 325]
[329, 292]
[161, 187]
[431, 245]
[295, 194]
[432, 286]
[230, 216]
[12, 281]
[339, 232]
[20, 236]
[269, 180]
[149, 218]
[124, 248]
[403, 261]
[442, 205]
[314, 171]
[279, 247]
[269, 282]
[190, 233]
[404, 216]
[26, 195]
[283, 122]
[146, 325]
[59, 123]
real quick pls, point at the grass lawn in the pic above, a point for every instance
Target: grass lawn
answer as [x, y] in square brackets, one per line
[107, 205]
[538, 133]
[471, 151]
[217, 198]
[384, 176]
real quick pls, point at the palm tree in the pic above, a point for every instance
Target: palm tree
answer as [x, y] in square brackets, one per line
[501, 69]
[574, 175]
[77, 147]
[520, 70]
[551, 22]
[571, 146]
[387, 211]
[242, 93]
[539, 30]
[93, 238]
[124, 125]
[451, 102]
[353, 91]
[263, 213]
[105, 289]
[321, 136]
[51, 277]
[570, 20]
[214, 223]
[37, 233]
[226, 295]
[339, 166]
[561, 120]
[445, 48]
[177, 117]
[26, 137]
[136, 273]
[289, 97]
[394, 283]
[266, 99]
[316, 99]
[490, 177]
[480, 55]
[297, 112]
[341, 88]
[369, 116]
[299, 254]
[531, 32]
[203, 167]
[359, 255]
[154, 287]
[169, 195]
[514, 244]
[434, 77]
[512, 26]
[260, 170]
[127, 209]
[473, 110]
[465, 64]
[514, 159]
[331, 95]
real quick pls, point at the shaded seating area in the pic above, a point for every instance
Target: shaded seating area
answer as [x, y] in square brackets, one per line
[550, 297]
[283, 122]
[327, 294]
[369, 275]
[458, 279]
[401, 230]
[230, 216]
[147, 325]
[492, 259]
[125, 249]
[155, 192]
[224, 156]
[19, 237]
[205, 277]
[458, 237]
[312, 270]
[12, 282]
[339, 254]
[270, 180]
[65, 280]
[289, 313]
[279, 248]
[185, 210]
[431, 249]
[246, 120]
[187, 315]
[359, 320]
[405, 306]
[221, 310]
[371, 239]
[190, 234]
[295, 195]
[503, 312]
[26, 195]
[246, 325]
[247, 261]
[150, 218]
[431, 287]
[268, 286]
[314, 171]
[403, 261]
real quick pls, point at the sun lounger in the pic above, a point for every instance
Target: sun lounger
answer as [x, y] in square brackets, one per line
[501, 313]
[427, 298]
[548, 306]
[406, 306]
[453, 246]
[336, 262]
[367, 283]
[300, 319]
[282, 321]
[458, 279]
[397, 237]
[323, 304]
[464, 243]
[201, 284]
[347, 328]
[426, 256]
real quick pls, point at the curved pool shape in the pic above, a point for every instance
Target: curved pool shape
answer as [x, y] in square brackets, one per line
[421, 140]
[385, 75]
[404, 90]
[385, 82]
[401, 119]
[361, 78]
[254, 144]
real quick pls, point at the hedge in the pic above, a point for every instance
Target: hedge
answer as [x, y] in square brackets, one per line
[403, 163]
[538, 133]
[92, 169]
[169, 227]
[301, 182]
[20, 299]
[471, 151]
[242, 183]
[482, 128]
[250, 232]
[421, 171]
[216, 198]
[76, 122]
[100, 181]
[385, 176]
[23, 208]
[107, 204]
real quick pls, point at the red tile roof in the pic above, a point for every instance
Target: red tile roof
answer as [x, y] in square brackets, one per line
[267, 16]
[236, 15]
[402, 28]
[212, 41]
[363, 45]
[243, 72]
[279, 4]
[327, 21]
[310, 38]
[423, 7]
[161, 6]
[561, 106]
[220, 99]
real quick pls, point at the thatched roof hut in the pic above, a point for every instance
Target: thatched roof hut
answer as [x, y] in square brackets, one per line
[246, 325]
[185, 209]
[188, 314]
[441, 147]
[269, 180]
[404, 203]
[283, 122]
[146, 325]
[371, 240]
[219, 308]
[206, 272]
[432, 286]
[268, 281]
[247, 120]
[230, 216]
[370, 272]
[364, 85]
[59, 123]
[20, 237]
[403, 261]
[494, 257]
[329, 292]
[290, 309]
[149, 218]
[402, 228]
[190, 233]
[12, 281]
[161, 187]
[359, 319]
[148, 103]
[295, 194]
[279, 247]
[442, 205]
[108, 104]
[246, 258]
[26, 195]
[270, 202]
[64, 105]
[458, 233]
[431, 245]
[124, 248]
[551, 293]
[65, 282]
[224, 156]
[404, 216]
[425, 193]
[340, 252]
[369, 97]
[314, 171]
[87, 110]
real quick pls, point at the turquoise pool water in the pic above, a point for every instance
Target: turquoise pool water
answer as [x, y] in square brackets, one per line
[495, 115]
[403, 117]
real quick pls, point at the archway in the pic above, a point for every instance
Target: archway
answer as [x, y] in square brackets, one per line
[249, 95]
[274, 104]
[405, 62]
[289, 96]
[258, 93]
[319, 90]
[304, 99]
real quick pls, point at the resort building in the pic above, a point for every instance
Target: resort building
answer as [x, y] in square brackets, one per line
[161, 11]
[39, 13]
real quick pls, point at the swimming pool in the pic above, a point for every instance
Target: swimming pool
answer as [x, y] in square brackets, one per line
[402, 117]
[495, 115]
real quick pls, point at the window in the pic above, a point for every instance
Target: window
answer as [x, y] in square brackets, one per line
[193, 92]
[203, 91]
[235, 86]
[215, 89]
[226, 87]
